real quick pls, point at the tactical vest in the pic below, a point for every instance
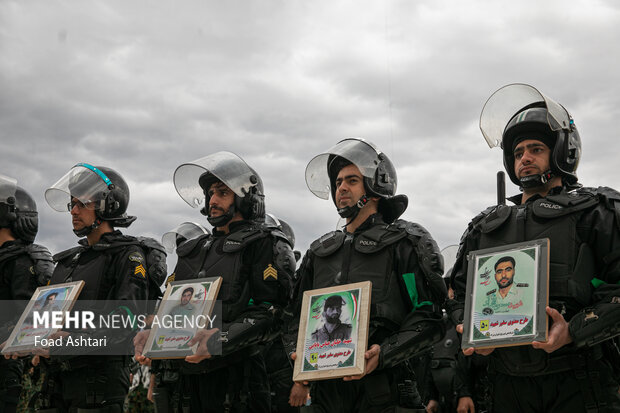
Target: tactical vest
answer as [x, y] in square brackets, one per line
[91, 265]
[571, 261]
[371, 255]
[40, 256]
[220, 256]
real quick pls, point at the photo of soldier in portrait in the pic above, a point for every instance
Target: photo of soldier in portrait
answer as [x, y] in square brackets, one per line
[333, 328]
[507, 295]
[185, 307]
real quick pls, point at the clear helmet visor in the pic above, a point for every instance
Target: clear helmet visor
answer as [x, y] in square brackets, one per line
[185, 231]
[84, 182]
[507, 101]
[357, 151]
[449, 258]
[225, 166]
[8, 187]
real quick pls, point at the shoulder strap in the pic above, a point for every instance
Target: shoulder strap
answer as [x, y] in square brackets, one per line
[187, 247]
[327, 244]
[239, 240]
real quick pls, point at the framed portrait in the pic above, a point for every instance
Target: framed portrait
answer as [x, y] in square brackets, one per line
[333, 332]
[186, 307]
[507, 294]
[28, 332]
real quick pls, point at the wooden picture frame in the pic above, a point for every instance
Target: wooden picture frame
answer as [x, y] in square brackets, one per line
[57, 297]
[171, 343]
[507, 295]
[329, 350]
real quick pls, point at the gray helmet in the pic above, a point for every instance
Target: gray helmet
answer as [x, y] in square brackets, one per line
[18, 210]
[378, 171]
[99, 188]
[519, 111]
[192, 181]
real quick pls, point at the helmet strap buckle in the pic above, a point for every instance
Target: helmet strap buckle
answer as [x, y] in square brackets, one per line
[362, 201]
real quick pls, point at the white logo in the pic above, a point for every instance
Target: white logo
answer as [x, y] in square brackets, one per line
[550, 206]
[368, 243]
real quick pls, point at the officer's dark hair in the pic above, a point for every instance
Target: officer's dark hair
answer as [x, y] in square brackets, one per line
[505, 259]
[55, 294]
[188, 289]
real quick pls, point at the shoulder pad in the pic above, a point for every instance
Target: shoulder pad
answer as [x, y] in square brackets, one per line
[607, 195]
[278, 234]
[239, 240]
[70, 253]
[429, 257]
[327, 244]
[481, 216]
[39, 252]
[116, 242]
[564, 203]
[491, 218]
[610, 198]
[380, 236]
[151, 244]
[187, 247]
[412, 229]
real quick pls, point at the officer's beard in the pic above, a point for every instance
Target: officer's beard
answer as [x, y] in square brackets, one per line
[508, 284]
[333, 319]
[223, 219]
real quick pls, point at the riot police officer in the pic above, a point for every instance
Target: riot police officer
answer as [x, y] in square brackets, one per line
[400, 258]
[113, 266]
[253, 261]
[24, 266]
[541, 150]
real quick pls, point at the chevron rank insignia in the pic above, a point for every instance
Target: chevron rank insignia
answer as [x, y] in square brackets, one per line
[270, 272]
[140, 271]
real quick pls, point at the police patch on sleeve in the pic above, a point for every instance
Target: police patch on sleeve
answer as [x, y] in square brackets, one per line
[136, 257]
[270, 272]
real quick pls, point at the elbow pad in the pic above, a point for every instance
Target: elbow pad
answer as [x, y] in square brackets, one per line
[594, 325]
[238, 335]
[413, 339]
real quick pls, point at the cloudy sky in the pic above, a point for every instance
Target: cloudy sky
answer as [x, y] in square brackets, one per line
[145, 86]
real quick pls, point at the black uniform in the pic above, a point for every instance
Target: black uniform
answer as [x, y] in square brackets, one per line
[23, 268]
[583, 226]
[255, 286]
[404, 265]
[112, 269]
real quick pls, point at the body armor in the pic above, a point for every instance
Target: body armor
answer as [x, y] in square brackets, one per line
[571, 265]
[221, 256]
[42, 264]
[374, 254]
[91, 264]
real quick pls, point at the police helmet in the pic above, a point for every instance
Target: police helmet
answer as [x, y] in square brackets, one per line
[99, 188]
[18, 210]
[519, 111]
[379, 175]
[193, 180]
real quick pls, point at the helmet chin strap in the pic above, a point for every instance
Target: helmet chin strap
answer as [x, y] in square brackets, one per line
[87, 230]
[352, 211]
[536, 180]
[222, 219]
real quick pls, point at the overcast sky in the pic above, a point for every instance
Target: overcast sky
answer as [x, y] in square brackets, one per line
[143, 86]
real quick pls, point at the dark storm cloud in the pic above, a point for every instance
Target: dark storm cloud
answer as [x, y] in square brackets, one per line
[143, 88]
